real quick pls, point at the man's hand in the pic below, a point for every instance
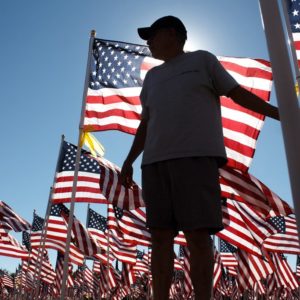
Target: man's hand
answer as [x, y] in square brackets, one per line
[126, 174]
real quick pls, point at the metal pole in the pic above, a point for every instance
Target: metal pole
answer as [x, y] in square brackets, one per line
[77, 161]
[286, 95]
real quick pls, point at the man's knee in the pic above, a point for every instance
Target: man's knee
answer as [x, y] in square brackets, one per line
[162, 237]
[198, 238]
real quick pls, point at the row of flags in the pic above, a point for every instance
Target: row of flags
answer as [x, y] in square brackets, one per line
[260, 227]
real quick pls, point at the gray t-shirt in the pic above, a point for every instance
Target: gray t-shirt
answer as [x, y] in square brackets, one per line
[180, 100]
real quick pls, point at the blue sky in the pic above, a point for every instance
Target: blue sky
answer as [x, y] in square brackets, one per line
[43, 58]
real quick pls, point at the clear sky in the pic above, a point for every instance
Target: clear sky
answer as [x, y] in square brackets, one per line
[43, 58]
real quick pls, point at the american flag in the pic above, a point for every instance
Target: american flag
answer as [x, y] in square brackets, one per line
[116, 76]
[217, 272]
[56, 234]
[184, 255]
[6, 280]
[142, 262]
[9, 246]
[83, 239]
[87, 189]
[251, 269]
[228, 258]
[120, 249]
[129, 225]
[114, 191]
[285, 240]
[236, 230]
[246, 188]
[298, 266]
[293, 8]
[59, 273]
[284, 274]
[40, 266]
[12, 218]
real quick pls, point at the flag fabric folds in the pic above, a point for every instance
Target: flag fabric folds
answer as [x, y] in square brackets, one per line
[16, 222]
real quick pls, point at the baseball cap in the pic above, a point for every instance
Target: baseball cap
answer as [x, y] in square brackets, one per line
[164, 22]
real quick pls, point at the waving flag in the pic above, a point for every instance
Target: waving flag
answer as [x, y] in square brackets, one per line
[16, 222]
[56, 234]
[116, 78]
[88, 177]
[114, 191]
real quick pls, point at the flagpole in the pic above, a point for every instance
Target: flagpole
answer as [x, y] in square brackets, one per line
[77, 161]
[46, 220]
[286, 96]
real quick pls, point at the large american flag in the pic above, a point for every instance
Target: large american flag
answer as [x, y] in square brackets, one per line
[116, 77]
[87, 189]
[293, 8]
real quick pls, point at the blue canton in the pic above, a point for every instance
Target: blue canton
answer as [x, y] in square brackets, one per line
[116, 64]
[68, 158]
[293, 7]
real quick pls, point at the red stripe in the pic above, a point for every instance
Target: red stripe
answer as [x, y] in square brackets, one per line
[126, 114]
[132, 100]
[247, 71]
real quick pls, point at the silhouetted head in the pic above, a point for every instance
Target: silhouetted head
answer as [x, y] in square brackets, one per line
[166, 37]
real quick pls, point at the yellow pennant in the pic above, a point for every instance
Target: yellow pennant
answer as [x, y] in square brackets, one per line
[92, 144]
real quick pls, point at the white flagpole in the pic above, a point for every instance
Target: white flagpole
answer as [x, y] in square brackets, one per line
[286, 95]
[77, 161]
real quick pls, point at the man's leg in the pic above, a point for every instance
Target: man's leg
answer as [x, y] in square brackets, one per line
[202, 262]
[162, 262]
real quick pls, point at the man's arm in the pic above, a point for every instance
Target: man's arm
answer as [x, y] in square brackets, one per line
[248, 100]
[136, 149]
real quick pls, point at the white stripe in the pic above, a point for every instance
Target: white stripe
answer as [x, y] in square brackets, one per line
[245, 118]
[101, 107]
[78, 195]
[106, 92]
[80, 173]
[252, 82]
[239, 137]
[245, 62]
[238, 157]
[112, 120]
[65, 184]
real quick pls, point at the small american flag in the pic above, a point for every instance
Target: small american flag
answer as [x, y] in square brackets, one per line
[228, 258]
[56, 234]
[298, 266]
[120, 249]
[88, 189]
[286, 239]
[12, 218]
[114, 191]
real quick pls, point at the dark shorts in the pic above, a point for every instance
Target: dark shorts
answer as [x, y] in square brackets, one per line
[183, 194]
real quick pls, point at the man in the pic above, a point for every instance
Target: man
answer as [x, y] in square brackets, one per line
[181, 136]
